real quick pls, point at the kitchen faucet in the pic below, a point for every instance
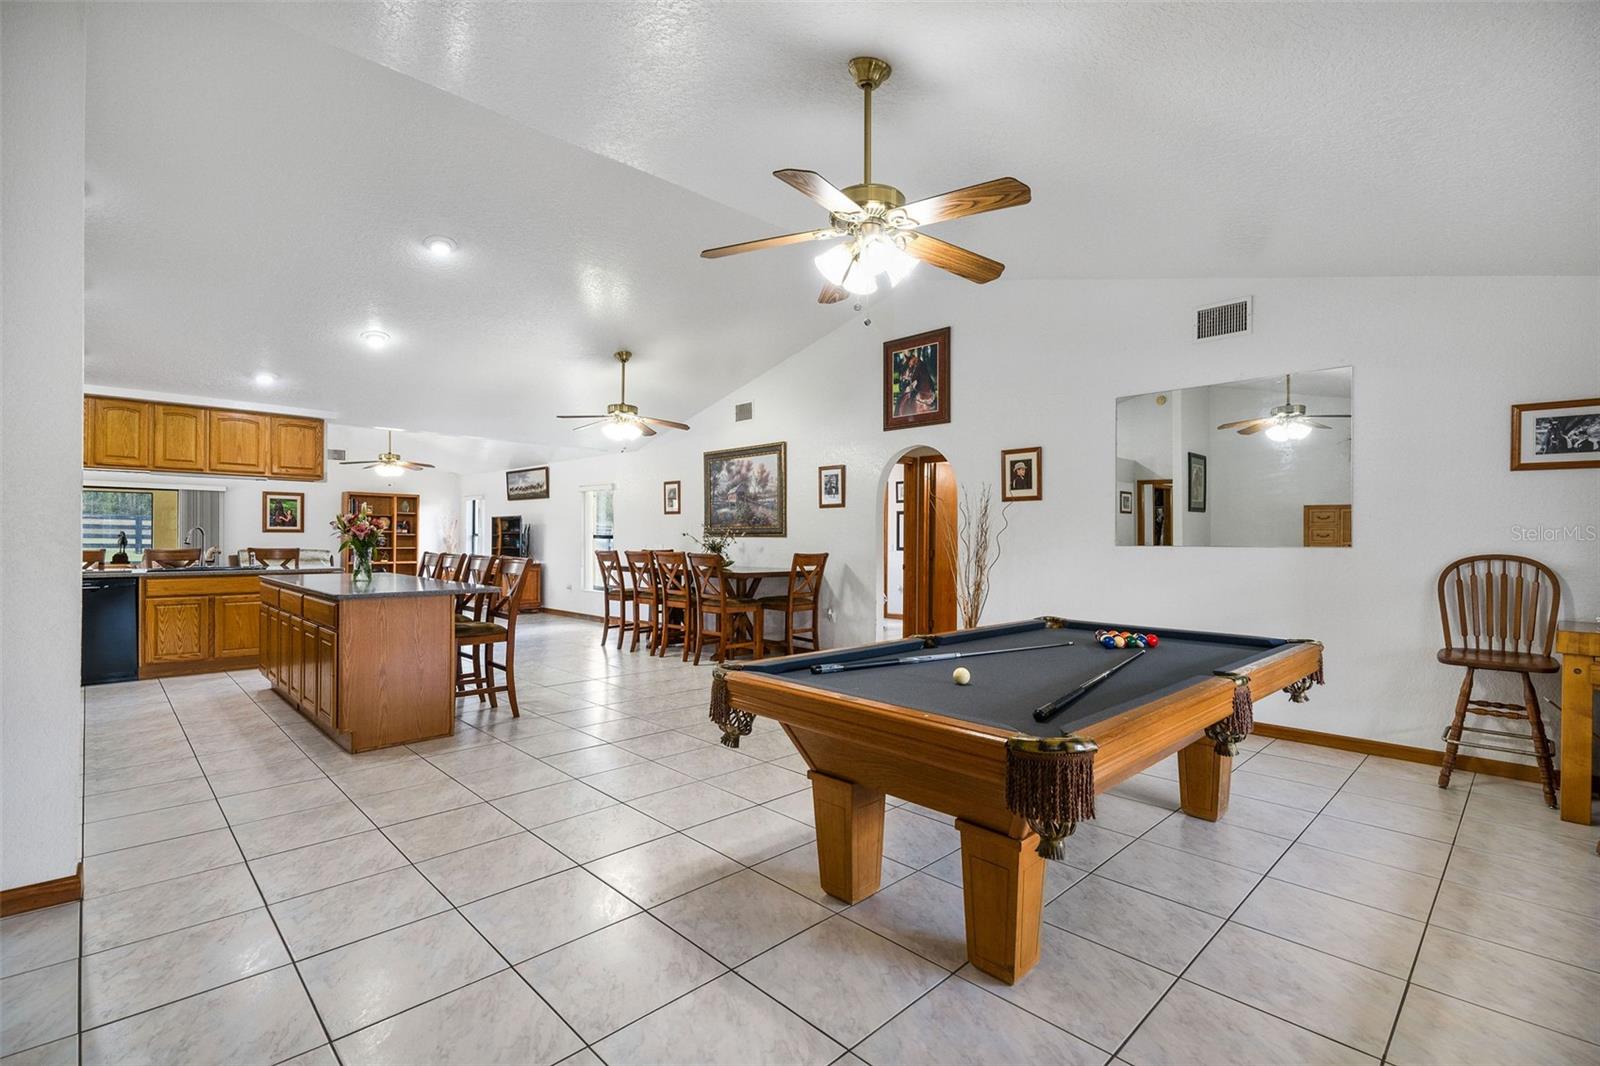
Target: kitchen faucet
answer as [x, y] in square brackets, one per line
[188, 541]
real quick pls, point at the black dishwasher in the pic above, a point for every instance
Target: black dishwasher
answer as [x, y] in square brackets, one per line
[110, 629]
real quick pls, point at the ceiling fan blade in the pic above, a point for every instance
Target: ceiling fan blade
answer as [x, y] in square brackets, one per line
[831, 293]
[768, 242]
[587, 425]
[1327, 416]
[356, 462]
[1315, 425]
[954, 258]
[993, 195]
[645, 430]
[663, 422]
[1257, 428]
[582, 416]
[1244, 422]
[819, 189]
[410, 465]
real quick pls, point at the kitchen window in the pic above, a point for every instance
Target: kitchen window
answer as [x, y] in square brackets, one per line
[597, 529]
[110, 512]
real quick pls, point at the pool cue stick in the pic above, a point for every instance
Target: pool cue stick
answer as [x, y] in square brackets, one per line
[867, 664]
[1056, 706]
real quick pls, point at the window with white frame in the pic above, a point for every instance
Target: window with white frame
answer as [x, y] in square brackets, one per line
[597, 532]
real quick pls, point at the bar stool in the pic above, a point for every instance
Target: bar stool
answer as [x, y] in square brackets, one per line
[486, 632]
[427, 563]
[615, 592]
[449, 566]
[805, 589]
[642, 569]
[714, 600]
[1497, 624]
[677, 601]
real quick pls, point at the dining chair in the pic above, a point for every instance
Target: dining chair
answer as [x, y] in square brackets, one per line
[1499, 614]
[498, 626]
[94, 558]
[676, 589]
[642, 569]
[716, 601]
[170, 558]
[801, 597]
[285, 558]
[615, 591]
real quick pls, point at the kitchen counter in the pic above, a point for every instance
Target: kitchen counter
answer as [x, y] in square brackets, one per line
[341, 586]
[210, 571]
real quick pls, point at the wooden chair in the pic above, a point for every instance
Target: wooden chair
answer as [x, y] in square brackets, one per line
[285, 558]
[1499, 614]
[449, 566]
[675, 586]
[736, 624]
[170, 558]
[617, 592]
[95, 558]
[497, 626]
[427, 563]
[805, 589]
[646, 593]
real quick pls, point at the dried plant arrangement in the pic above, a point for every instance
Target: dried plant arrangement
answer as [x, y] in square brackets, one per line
[975, 552]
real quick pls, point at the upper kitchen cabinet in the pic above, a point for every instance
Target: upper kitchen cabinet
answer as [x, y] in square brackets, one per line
[295, 450]
[117, 433]
[178, 441]
[238, 442]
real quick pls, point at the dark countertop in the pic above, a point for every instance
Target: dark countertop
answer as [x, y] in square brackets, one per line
[211, 571]
[341, 586]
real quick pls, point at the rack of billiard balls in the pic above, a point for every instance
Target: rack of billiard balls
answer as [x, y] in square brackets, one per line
[1124, 638]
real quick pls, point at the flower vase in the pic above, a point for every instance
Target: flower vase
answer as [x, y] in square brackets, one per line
[361, 565]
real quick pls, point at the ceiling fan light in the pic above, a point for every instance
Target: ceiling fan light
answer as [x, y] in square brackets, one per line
[833, 263]
[1297, 430]
[390, 469]
[898, 264]
[622, 430]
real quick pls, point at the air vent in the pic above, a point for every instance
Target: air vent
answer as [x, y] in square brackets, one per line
[1222, 320]
[743, 412]
[336, 455]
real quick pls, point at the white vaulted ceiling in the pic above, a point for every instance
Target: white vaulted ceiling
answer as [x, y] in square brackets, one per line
[261, 176]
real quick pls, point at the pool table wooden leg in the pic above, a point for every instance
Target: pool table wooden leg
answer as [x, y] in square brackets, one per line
[849, 837]
[1203, 777]
[1003, 888]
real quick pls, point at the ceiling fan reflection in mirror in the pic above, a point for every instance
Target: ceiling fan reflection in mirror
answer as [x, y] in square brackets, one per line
[1286, 422]
[881, 233]
[622, 420]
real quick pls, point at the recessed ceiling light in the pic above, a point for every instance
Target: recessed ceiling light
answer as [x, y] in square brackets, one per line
[439, 246]
[265, 378]
[375, 338]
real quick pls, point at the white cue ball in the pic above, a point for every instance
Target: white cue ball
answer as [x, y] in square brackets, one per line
[962, 675]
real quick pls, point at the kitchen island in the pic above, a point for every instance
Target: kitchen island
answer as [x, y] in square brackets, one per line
[370, 663]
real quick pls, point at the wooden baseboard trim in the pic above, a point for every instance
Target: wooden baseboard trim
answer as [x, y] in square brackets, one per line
[1404, 752]
[573, 614]
[44, 894]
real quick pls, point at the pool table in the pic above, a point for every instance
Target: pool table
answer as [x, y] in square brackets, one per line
[1016, 786]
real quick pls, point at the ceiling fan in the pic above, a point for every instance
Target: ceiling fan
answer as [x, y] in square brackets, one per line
[1288, 421]
[882, 233]
[388, 462]
[622, 420]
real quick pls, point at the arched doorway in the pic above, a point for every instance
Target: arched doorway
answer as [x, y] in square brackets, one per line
[920, 517]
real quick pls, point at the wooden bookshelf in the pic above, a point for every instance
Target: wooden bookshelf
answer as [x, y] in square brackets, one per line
[399, 553]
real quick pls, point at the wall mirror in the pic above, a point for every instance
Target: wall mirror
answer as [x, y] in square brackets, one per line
[1258, 463]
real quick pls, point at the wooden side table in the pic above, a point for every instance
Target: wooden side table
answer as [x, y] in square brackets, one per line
[1579, 646]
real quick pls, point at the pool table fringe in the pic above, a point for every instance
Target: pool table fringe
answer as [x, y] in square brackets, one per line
[1050, 784]
[733, 723]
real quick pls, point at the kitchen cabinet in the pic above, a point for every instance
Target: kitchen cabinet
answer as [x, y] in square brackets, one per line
[117, 433]
[1326, 525]
[177, 629]
[196, 625]
[532, 589]
[178, 438]
[238, 442]
[235, 625]
[294, 447]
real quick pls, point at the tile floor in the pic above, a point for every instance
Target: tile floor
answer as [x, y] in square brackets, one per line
[599, 880]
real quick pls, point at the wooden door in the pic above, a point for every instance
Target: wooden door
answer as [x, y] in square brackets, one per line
[293, 682]
[930, 539]
[328, 676]
[177, 629]
[119, 433]
[237, 442]
[236, 620]
[178, 438]
[308, 666]
[1154, 515]
[532, 589]
[267, 633]
[295, 449]
[1326, 525]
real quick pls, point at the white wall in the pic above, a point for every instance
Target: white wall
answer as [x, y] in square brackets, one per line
[241, 499]
[1042, 362]
[1191, 432]
[41, 438]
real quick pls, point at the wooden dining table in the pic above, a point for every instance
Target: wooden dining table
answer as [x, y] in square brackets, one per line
[745, 581]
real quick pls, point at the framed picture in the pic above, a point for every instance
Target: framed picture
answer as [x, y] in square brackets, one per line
[916, 380]
[672, 497]
[1124, 503]
[1197, 482]
[1558, 435]
[1022, 474]
[283, 512]
[899, 492]
[830, 486]
[747, 491]
[529, 483]
[899, 531]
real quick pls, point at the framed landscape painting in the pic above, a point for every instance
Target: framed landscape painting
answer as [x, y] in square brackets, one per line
[747, 491]
[283, 512]
[1558, 435]
[530, 483]
[916, 380]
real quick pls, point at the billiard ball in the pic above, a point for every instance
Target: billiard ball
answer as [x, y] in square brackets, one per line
[961, 676]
